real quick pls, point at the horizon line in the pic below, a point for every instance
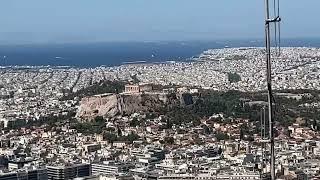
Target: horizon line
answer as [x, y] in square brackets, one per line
[150, 41]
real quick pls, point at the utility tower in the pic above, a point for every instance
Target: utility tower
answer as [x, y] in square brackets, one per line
[274, 20]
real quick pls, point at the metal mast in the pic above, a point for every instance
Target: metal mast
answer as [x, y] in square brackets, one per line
[268, 21]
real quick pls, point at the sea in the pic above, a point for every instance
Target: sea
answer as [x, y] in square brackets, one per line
[118, 53]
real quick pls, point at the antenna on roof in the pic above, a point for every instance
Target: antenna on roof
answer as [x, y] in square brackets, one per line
[268, 21]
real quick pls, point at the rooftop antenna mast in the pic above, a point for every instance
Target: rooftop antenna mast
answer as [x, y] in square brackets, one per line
[268, 21]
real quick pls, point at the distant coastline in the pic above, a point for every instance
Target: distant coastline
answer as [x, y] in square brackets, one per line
[121, 53]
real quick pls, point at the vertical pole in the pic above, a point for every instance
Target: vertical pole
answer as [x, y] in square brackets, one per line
[264, 122]
[268, 59]
[264, 134]
[261, 125]
[262, 138]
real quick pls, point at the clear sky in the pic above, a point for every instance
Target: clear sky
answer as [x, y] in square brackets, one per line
[57, 21]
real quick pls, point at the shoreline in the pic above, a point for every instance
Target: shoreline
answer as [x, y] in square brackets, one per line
[195, 58]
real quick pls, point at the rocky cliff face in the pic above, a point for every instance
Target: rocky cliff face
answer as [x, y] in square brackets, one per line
[110, 105]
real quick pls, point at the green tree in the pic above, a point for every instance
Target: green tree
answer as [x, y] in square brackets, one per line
[169, 140]
[110, 137]
[234, 77]
[134, 122]
[99, 119]
[222, 136]
[119, 132]
[131, 137]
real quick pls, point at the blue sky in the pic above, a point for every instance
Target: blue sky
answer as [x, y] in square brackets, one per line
[58, 21]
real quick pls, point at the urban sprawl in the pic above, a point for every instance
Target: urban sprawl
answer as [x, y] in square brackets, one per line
[52, 129]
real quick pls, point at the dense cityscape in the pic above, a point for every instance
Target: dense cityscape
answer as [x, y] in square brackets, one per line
[199, 119]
